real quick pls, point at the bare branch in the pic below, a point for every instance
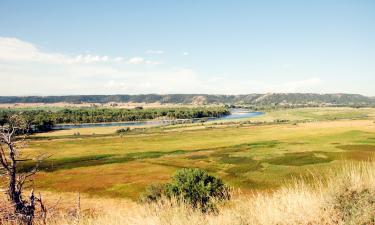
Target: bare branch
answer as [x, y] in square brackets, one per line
[23, 178]
[4, 162]
[43, 208]
[10, 143]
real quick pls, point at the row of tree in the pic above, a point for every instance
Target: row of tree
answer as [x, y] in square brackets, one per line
[43, 120]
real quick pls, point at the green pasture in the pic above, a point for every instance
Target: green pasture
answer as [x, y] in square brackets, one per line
[249, 157]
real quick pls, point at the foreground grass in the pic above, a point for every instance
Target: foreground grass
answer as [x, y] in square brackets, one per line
[346, 196]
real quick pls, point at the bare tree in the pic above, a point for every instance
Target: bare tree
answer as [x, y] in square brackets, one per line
[11, 142]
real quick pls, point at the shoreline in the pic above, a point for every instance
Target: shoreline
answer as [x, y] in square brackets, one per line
[241, 115]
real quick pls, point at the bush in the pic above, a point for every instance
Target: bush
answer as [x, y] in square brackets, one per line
[198, 188]
[123, 130]
[193, 186]
[153, 193]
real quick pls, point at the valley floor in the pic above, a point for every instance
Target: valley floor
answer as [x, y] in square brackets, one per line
[296, 166]
[251, 157]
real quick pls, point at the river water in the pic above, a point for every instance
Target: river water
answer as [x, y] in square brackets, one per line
[235, 114]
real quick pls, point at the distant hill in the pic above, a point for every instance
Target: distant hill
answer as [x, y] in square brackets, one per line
[199, 99]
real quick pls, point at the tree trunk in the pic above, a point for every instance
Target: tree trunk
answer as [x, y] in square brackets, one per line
[24, 212]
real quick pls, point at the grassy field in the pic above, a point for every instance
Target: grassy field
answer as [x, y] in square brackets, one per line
[250, 157]
[317, 114]
[343, 196]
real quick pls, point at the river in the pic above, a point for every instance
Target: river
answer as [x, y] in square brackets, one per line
[235, 114]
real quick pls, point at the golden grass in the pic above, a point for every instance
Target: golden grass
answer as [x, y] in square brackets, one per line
[299, 203]
[194, 139]
[345, 197]
[316, 114]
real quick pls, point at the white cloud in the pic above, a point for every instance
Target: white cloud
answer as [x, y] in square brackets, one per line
[140, 60]
[28, 70]
[183, 80]
[91, 59]
[119, 59]
[12, 49]
[15, 50]
[136, 60]
[155, 52]
[152, 62]
[185, 53]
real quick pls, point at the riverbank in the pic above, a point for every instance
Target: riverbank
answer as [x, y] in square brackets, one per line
[234, 114]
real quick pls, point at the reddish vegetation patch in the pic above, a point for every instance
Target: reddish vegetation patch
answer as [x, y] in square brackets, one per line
[358, 147]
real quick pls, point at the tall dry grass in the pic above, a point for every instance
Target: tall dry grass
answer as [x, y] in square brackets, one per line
[347, 197]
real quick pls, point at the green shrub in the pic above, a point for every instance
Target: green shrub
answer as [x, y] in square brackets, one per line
[193, 186]
[123, 130]
[198, 188]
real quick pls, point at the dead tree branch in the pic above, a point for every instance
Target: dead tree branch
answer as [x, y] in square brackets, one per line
[10, 144]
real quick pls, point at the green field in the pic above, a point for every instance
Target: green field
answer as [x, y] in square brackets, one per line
[247, 156]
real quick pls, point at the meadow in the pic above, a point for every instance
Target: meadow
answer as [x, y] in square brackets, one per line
[252, 157]
[342, 196]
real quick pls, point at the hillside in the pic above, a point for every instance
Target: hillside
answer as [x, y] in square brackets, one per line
[199, 99]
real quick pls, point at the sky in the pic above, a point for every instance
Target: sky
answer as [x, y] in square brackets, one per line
[167, 46]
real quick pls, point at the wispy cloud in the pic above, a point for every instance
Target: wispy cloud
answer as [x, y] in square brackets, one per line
[91, 59]
[140, 60]
[136, 60]
[183, 80]
[155, 52]
[13, 49]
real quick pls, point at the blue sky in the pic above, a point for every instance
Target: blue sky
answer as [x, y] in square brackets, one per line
[217, 47]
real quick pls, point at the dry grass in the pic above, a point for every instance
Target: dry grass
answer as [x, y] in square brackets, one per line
[345, 197]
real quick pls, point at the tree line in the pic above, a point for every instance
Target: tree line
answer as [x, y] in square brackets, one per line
[40, 120]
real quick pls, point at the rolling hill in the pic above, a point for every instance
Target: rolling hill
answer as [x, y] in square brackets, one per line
[200, 99]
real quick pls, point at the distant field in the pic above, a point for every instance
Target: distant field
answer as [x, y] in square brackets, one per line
[249, 157]
[317, 114]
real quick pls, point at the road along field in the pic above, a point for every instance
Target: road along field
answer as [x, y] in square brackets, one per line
[251, 157]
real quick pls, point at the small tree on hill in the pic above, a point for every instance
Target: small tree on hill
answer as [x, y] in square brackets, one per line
[10, 144]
